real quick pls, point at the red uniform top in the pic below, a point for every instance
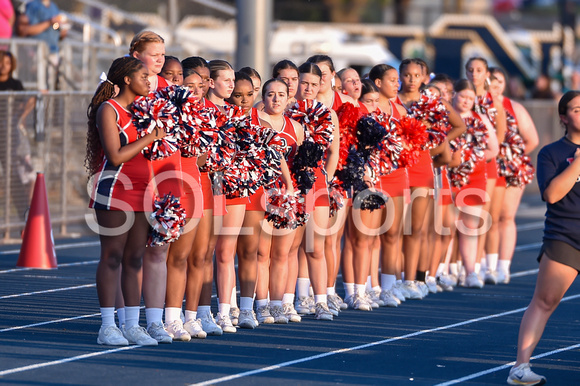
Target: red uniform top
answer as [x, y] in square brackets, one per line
[396, 182]
[336, 102]
[123, 187]
[167, 171]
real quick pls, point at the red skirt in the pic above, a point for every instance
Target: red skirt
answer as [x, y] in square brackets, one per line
[192, 200]
[421, 174]
[473, 193]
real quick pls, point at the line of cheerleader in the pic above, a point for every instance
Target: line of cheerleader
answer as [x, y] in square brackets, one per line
[402, 182]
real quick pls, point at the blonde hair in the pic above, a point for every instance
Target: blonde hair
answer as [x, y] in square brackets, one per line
[142, 39]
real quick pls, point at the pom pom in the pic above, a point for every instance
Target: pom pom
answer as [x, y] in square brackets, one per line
[151, 113]
[348, 116]
[335, 196]
[168, 219]
[316, 119]
[471, 144]
[414, 134]
[432, 112]
[512, 162]
[285, 211]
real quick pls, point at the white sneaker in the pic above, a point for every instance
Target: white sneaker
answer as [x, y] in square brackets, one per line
[195, 329]
[209, 325]
[523, 375]
[490, 277]
[111, 336]
[322, 312]
[341, 304]
[431, 284]
[177, 332]
[234, 315]
[225, 323]
[503, 277]
[334, 303]
[138, 335]
[375, 299]
[291, 313]
[396, 290]
[157, 332]
[303, 306]
[422, 287]
[414, 291]
[361, 303]
[264, 316]
[389, 300]
[472, 281]
[246, 320]
[446, 282]
[278, 314]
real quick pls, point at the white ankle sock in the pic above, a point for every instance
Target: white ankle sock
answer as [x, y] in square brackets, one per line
[153, 315]
[204, 310]
[246, 303]
[275, 303]
[453, 269]
[492, 261]
[302, 287]
[360, 289]
[121, 316]
[107, 316]
[504, 265]
[189, 315]
[172, 314]
[131, 317]
[224, 309]
[369, 284]
[387, 281]
[288, 298]
[348, 289]
[330, 291]
[234, 299]
[320, 299]
[261, 303]
[440, 269]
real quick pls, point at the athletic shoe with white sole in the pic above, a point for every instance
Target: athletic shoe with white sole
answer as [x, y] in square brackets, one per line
[322, 312]
[503, 277]
[431, 284]
[291, 313]
[396, 290]
[111, 336]
[278, 314]
[490, 277]
[195, 329]
[472, 281]
[523, 375]
[225, 323]
[389, 299]
[375, 299]
[234, 315]
[422, 287]
[246, 320]
[414, 291]
[303, 306]
[334, 303]
[177, 332]
[138, 335]
[157, 332]
[446, 282]
[209, 325]
[341, 304]
[361, 303]
[264, 316]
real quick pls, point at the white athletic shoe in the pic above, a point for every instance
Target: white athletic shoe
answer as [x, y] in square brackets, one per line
[225, 323]
[446, 282]
[422, 287]
[472, 281]
[397, 291]
[209, 325]
[523, 375]
[303, 306]
[503, 277]
[389, 300]
[195, 329]
[234, 315]
[157, 332]
[334, 303]
[375, 299]
[291, 313]
[490, 277]
[111, 336]
[361, 303]
[177, 332]
[278, 314]
[322, 312]
[264, 316]
[431, 284]
[246, 320]
[138, 335]
[412, 289]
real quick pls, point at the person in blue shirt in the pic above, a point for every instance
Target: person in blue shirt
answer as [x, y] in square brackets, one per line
[43, 20]
[558, 173]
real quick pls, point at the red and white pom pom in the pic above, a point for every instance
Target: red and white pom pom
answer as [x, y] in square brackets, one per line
[512, 162]
[472, 144]
[316, 119]
[285, 211]
[430, 110]
[414, 134]
[386, 157]
[336, 196]
[168, 220]
[348, 116]
[151, 114]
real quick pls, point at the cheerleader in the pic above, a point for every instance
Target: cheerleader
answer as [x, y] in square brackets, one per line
[172, 70]
[350, 83]
[477, 71]
[386, 79]
[198, 288]
[523, 131]
[287, 72]
[256, 81]
[192, 80]
[275, 244]
[310, 82]
[420, 180]
[482, 144]
[558, 171]
[149, 47]
[121, 174]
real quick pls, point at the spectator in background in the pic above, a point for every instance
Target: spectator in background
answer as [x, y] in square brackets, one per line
[6, 19]
[19, 168]
[42, 20]
[542, 88]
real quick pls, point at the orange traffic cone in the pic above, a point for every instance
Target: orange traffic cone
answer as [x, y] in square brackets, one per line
[37, 249]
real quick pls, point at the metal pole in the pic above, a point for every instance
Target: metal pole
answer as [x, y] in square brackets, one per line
[9, 196]
[254, 20]
[173, 18]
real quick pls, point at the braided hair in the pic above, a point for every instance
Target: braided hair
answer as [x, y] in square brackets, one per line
[120, 68]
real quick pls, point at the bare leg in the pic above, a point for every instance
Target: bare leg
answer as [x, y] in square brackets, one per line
[413, 232]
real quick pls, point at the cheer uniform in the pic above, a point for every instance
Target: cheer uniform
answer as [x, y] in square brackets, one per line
[336, 101]
[395, 183]
[123, 187]
[484, 105]
[192, 199]
[473, 193]
[167, 171]
[257, 201]
[211, 200]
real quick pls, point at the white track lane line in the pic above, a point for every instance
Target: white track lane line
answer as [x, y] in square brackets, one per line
[507, 365]
[65, 360]
[344, 350]
[48, 291]
[77, 264]
[58, 247]
[50, 322]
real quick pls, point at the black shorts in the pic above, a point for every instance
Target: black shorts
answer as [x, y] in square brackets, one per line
[561, 252]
